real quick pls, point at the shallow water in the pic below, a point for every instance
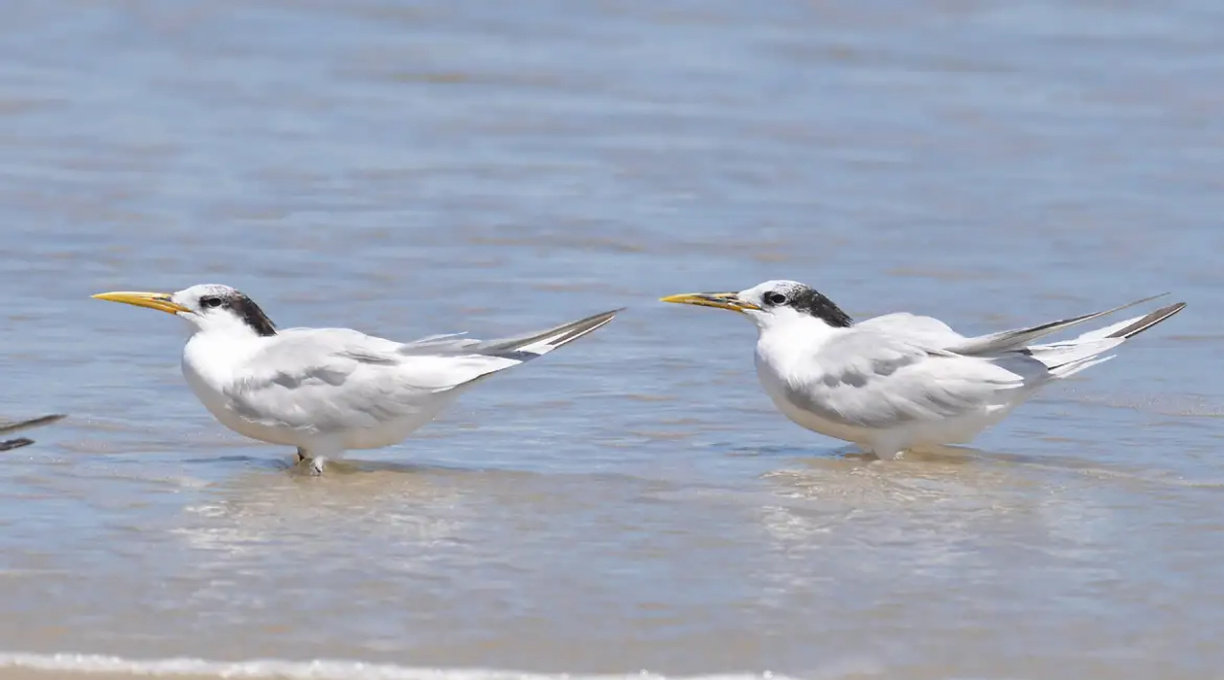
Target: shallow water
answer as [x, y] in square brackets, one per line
[632, 502]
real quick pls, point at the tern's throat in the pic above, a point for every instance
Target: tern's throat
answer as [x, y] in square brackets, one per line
[793, 339]
[217, 355]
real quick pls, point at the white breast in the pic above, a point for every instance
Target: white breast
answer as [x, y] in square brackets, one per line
[208, 366]
[772, 380]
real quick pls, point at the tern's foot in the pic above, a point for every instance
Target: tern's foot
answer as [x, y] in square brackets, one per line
[883, 455]
[311, 466]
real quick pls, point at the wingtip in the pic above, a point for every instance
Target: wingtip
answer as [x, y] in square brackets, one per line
[10, 444]
[605, 316]
[32, 422]
[47, 420]
[1142, 324]
[601, 320]
[1174, 308]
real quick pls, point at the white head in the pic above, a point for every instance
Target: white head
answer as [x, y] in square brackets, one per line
[773, 303]
[208, 307]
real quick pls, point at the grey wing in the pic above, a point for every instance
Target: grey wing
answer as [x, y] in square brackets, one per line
[868, 379]
[443, 343]
[477, 359]
[520, 347]
[925, 329]
[1017, 338]
[330, 379]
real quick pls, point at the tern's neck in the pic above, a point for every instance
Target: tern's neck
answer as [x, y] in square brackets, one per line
[793, 337]
[796, 324]
[228, 339]
[229, 325]
[215, 355]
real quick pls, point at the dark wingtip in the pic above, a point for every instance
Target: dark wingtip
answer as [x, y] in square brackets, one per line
[33, 422]
[584, 326]
[15, 444]
[1148, 321]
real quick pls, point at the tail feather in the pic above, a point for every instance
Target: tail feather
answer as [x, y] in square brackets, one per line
[1072, 356]
[1018, 338]
[1071, 368]
[1056, 355]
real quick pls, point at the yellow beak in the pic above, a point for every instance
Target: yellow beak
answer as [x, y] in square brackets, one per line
[729, 301]
[159, 301]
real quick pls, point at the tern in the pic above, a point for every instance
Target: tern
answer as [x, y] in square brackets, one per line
[327, 390]
[901, 381]
[10, 428]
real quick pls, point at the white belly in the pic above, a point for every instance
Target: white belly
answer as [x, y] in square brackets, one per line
[218, 405]
[806, 419]
[397, 430]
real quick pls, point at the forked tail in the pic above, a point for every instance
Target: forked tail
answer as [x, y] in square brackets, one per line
[1072, 356]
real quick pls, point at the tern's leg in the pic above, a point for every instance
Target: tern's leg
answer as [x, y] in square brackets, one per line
[314, 457]
[310, 464]
[882, 450]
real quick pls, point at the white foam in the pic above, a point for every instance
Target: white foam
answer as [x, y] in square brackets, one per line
[297, 670]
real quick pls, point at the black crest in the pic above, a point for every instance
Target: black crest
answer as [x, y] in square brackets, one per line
[805, 299]
[244, 308]
[252, 315]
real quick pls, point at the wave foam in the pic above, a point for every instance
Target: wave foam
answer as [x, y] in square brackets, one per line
[295, 670]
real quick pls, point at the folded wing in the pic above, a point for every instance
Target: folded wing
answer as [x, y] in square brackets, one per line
[329, 379]
[877, 380]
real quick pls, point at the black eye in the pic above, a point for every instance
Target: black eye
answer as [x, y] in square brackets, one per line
[775, 298]
[210, 302]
